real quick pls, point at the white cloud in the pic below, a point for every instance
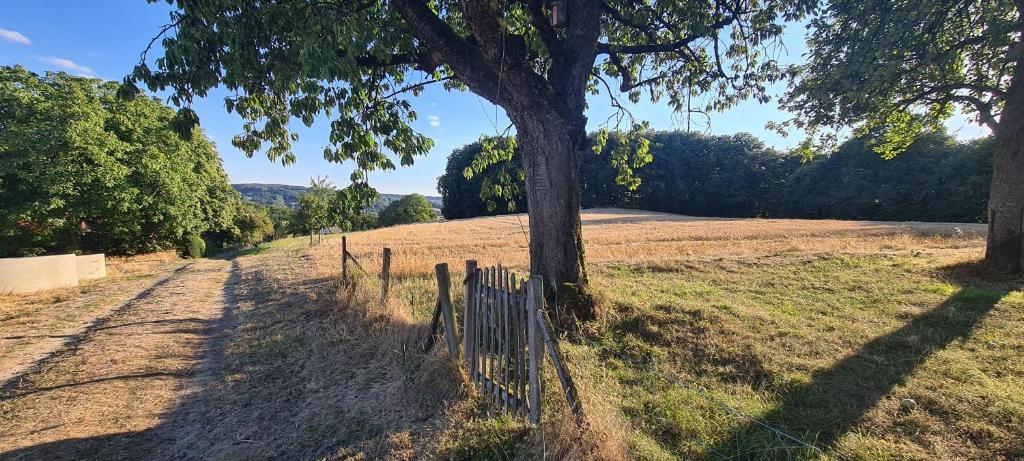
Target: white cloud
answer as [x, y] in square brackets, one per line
[67, 64]
[12, 36]
[435, 121]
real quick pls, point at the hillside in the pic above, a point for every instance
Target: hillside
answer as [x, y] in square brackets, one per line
[288, 195]
[711, 331]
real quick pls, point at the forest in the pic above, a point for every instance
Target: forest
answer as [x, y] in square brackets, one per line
[84, 170]
[936, 179]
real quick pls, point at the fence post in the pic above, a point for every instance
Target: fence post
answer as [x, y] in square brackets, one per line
[467, 315]
[344, 259]
[444, 297]
[385, 275]
[534, 303]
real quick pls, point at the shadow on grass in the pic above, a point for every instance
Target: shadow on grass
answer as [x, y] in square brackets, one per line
[288, 373]
[836, 398]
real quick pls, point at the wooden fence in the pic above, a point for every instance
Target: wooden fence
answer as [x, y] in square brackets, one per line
[505, 330]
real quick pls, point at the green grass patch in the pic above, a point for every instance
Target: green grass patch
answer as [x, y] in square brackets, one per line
[824, 348]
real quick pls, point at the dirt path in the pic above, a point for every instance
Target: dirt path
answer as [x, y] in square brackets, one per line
[34, 326]
[120, 376]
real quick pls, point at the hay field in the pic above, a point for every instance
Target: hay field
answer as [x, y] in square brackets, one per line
[710, 330]
[819, 329]
[628, 236]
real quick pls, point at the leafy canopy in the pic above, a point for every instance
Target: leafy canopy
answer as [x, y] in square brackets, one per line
[83, 170]
[892, 68]
[412, 208]
[357, 63]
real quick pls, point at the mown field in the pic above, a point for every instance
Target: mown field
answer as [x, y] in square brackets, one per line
[711, 327]
[716, 337]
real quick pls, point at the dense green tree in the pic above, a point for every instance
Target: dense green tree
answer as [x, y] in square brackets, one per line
[283, 218]
[253, 224]
[894, 68]
[359, 61]
[699, 175]
[314, 208]
[412, 208]
[689, 174]
[81, 169]
[461, 196]
[935, 179]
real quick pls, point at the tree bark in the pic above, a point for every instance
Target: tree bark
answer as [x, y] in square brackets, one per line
[1005, 249]
[549, 150]
[547, 111]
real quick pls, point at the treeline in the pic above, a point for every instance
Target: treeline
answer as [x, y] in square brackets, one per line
[322, 206]
[936, 179]
[84, 170]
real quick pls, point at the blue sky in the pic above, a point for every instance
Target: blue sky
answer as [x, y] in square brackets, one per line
[104, 39]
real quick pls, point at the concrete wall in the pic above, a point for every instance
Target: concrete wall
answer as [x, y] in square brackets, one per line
[23, 275]
[91, 267]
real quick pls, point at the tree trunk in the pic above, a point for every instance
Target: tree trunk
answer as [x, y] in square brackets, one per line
[1005, 249]
[549, 147]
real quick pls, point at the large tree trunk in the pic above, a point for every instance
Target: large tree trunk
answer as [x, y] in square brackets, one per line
[1005, 250]
[549, 148]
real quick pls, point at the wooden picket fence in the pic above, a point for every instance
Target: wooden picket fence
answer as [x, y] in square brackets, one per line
[504, 333]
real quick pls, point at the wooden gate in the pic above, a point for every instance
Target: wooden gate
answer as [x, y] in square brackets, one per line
[501, 342]
[505, 332]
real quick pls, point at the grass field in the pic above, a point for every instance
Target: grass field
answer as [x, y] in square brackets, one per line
[817, 328]
[711, 332]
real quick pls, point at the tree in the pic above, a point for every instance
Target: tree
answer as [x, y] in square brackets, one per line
[358, 61]
[314, 208]
[253, 224]
[689, 173]
[81, 170]
[282, 218]
[461, 196]
[412, 208]
[936, 179]
[893, 69]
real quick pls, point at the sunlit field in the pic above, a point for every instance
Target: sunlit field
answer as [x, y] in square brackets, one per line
[717, 339]
[714, 329]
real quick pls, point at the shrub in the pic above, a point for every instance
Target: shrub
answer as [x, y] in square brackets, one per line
[412, 208]
[194, 247]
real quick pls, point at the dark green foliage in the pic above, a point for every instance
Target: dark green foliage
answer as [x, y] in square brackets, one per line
[693, 174]
[937, 179]
[194, 247]
[288, 196]
[460, 197]
[412, 208]
[271, 194]
[83, 170]
[283, 219]
[253, 224]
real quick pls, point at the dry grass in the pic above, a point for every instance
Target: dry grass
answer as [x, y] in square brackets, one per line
[33, 325]
[629, 236]
[773, 317]
[815, 327]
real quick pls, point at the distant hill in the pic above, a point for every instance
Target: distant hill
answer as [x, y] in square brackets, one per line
[286, 195]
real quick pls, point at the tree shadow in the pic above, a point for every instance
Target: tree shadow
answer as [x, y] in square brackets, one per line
[277, 379]
[72, 342]
[835, 399]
